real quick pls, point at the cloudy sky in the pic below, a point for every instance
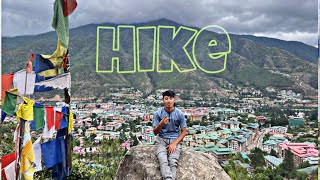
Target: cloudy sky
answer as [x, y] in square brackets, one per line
[284, 19]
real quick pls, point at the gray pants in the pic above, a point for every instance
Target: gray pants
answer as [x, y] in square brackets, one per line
[168, 163]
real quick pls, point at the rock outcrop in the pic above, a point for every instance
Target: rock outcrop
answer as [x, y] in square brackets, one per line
[141, 163]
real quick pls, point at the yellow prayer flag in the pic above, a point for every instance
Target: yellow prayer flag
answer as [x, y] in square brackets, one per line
[70, 123]
[25, 111]
[27, 156]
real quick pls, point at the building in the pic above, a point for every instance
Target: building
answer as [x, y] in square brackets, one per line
[196, 117]
[308, 170]
[253, 127]
[296, 122]
[300, 151]
[312, 160]
[244, 165]
[272, 143]
[230, 124]
[90, 131]
[272, 162]
[221, 153]
[261, 119]
[278, 129]
[237, 143]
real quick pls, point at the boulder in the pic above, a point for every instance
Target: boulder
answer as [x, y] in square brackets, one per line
[140, 162]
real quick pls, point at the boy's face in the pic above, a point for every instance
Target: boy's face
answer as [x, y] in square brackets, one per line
[168, 101]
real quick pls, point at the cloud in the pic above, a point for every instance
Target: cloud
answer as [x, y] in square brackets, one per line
[287, 18]
[308, 38]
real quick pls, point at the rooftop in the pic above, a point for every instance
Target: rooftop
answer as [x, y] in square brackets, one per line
[273, 160]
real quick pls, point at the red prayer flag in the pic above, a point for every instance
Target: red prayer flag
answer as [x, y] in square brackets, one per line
[68, 6]
[50, 116]
[5, 161]
[6, 82]
[58, 118]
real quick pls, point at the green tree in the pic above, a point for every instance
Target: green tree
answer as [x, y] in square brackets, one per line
[288, 163]
[135, 141]
[259, 176]
[257, 158]
[236, 172]
[6, 138]
[109, 157]
[304, 165]
[301, 175]
[258, 170]
[266, 137]
[273, 153]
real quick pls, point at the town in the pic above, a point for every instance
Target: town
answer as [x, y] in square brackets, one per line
[252, 132]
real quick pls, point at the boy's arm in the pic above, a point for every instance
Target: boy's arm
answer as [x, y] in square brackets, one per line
[181, 136]
[157, 128]
[172, 147]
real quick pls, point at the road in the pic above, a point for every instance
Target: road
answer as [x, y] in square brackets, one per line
[257, 141]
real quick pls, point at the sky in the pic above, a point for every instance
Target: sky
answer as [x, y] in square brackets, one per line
[294, 20]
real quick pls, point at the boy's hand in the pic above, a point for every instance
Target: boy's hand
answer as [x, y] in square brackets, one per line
[171, 148]
[164, 121]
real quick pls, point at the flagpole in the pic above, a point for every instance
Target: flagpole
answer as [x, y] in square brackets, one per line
[67, 101]
[22, 127]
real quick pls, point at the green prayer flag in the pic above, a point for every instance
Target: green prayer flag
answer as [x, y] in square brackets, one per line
[38, 115]
[61, 24]
[9, 104]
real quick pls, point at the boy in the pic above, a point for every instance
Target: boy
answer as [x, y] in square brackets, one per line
[170, 124]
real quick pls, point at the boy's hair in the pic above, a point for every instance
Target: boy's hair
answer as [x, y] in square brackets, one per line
[169, 93]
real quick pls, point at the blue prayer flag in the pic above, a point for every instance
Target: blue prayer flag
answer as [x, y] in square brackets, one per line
[51, 151]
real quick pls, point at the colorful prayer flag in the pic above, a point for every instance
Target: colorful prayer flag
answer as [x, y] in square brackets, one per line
[61, 23]
[3, 116]
[38, 113]
[42, 64]
[6, 82]
[5, 161]
[50, 117]
[20, 79]
[58, 120]
[25, 110]
[38, 88]
[60, 170]
[51, 151]
[27, 155]
[9, 104]
[70, 122]
[37, 152]
[69, 6]
[10, 171]
[62, 81]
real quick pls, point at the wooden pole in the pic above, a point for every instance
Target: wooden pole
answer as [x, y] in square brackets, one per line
[22, 127]
[67, 101]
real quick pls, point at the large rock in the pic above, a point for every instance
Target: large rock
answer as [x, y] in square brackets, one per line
[141, 163]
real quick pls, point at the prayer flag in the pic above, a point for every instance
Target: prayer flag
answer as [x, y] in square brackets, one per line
[37, 152]
[9, 104]
[62, 81]
[20, 79]
[27, 156]
[69, 6]
[58, 120]
[38, 112]
[70, 122]
[5, 161]
[60, 23]
[6, 82]
[25, 110]
[51, 151]
[50, 117]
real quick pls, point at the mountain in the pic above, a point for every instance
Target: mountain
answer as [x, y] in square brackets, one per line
[301, 50]
[257, 62]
